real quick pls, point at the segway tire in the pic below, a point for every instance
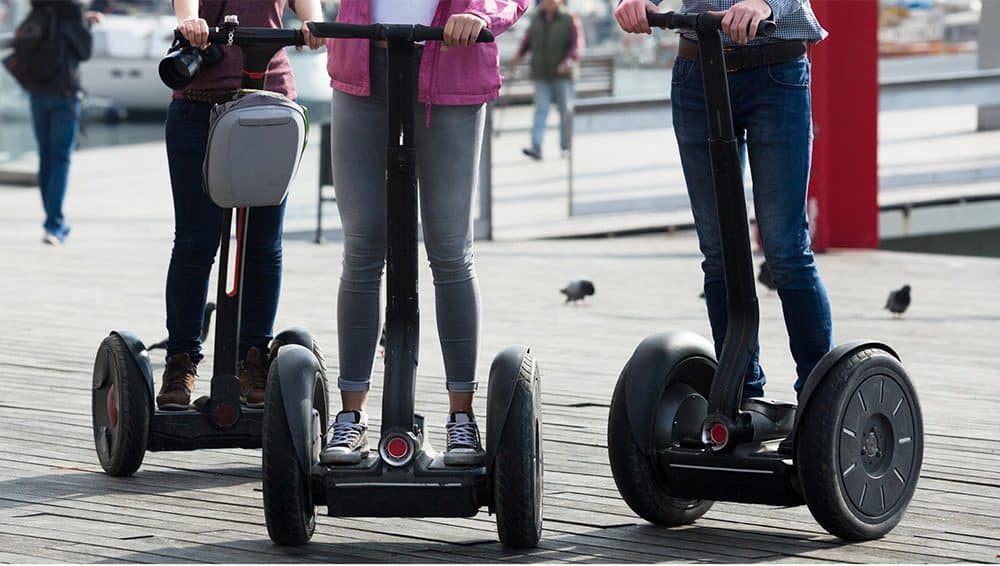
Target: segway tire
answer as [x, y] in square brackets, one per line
[636, 474]
[120, 409]
[859, 446]
[518, 473]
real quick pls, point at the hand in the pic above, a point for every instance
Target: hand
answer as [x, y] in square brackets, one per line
[314, 43]
[740, 22]
[563, 68]
[631, 15]
[195, 30]
[93, 17]
[462, 30]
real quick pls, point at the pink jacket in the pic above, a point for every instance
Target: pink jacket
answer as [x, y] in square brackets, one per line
[461, 76]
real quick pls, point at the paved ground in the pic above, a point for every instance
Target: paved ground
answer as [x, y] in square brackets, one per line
[57, 304]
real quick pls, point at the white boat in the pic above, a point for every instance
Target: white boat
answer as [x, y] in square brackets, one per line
[128, 48]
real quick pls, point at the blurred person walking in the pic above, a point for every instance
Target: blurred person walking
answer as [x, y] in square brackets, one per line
[555, 40]
[48, 48]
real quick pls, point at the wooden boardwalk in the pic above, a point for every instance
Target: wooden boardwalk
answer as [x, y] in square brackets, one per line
[57, 304]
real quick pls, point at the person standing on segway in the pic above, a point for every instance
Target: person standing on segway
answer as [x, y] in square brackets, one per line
[769, 89]
[198, 221]
[456, 80]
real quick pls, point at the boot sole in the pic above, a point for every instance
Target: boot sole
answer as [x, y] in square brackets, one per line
[342, 458]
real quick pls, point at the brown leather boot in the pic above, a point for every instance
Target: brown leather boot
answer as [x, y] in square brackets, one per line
[178, 383]
[253, 378]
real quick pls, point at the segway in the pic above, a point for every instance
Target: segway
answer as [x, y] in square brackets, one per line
[405, 476]
[681, 436]
[125, 419]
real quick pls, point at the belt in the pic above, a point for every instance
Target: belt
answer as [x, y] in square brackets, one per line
[740, 58]
[210, 96]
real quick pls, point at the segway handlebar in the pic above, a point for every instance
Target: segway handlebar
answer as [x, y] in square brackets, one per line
[701, 22]
[386, 32]
[237, 35]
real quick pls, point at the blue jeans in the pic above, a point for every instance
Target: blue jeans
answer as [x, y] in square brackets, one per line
[55, 119]
[560, 91]
[197, 231]
[773, 121]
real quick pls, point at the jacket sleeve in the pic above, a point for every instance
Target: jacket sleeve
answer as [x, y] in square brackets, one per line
[78, 34]
[782, 8]
[500, 14]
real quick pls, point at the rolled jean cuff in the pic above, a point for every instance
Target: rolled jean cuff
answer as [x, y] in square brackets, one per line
[462, 386]
[350, 385]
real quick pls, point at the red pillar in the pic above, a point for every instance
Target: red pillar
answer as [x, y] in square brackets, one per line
[843, 189]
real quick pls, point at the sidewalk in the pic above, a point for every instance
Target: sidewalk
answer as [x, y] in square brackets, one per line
[58, 303]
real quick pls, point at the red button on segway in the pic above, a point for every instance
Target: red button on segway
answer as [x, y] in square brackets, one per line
[397, 448]
[719, 434]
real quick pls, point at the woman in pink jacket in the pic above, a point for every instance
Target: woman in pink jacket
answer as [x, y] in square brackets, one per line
[457, 77]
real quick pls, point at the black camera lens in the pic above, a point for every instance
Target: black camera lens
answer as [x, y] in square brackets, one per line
[179, 68]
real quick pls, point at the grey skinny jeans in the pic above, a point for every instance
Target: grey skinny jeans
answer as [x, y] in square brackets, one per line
[448, 170]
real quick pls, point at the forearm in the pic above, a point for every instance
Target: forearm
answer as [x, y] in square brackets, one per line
[185, 9]
[782, 8]
[575, 42]
[309, 10]
[525, 46]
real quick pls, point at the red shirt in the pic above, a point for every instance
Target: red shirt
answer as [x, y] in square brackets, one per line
[226, 75]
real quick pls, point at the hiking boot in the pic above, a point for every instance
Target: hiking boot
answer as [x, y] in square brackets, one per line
[348, 439]
[178, 383]
[464, 447]
[253, 378]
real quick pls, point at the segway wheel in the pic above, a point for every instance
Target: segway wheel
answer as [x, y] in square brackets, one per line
[636, 474]
[860, 445]
[120, 409]
[289, 510]
[518, 471]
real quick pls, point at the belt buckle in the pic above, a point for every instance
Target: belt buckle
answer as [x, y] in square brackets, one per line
[731, 66]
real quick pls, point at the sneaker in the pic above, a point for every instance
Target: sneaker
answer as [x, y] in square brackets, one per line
[178, 383]
[252, 373]
[533, 152]
[564, 154]
[348, 442]
[51, 239]
[464, 447]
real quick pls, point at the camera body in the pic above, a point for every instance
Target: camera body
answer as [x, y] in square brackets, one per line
[182, 63]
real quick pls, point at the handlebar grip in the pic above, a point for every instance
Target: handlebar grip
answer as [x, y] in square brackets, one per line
[343, 31]
[246, 36]
[701, 22]
[428, 33]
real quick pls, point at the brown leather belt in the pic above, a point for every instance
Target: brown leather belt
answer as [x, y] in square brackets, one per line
[740, 58]
[210, 96]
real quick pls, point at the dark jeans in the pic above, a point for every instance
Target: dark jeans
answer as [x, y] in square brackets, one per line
[197, 230]
[55, 119]
[773, 121]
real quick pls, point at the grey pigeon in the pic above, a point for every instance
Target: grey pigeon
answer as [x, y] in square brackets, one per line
[577, 290]
[898, 301]
[764, 276]
[206, 324]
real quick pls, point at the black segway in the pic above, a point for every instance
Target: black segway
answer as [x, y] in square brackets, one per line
[405, 477]
[125, 419]
[681, 436]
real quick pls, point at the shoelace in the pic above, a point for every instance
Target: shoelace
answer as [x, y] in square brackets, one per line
[462, 435]
[346, 434]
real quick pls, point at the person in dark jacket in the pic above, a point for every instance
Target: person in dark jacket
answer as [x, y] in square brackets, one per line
[556, 42]
[55, 106]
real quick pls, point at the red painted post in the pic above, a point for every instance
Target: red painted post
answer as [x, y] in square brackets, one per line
[843, 189]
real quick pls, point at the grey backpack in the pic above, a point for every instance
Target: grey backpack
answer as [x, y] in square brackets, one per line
[255, 144]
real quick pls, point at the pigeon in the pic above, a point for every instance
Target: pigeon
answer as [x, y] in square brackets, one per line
[206, 324]
[577, 290]
[764, 276]
[898, 301]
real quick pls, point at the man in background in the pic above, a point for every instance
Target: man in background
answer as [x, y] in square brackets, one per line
[556, 42]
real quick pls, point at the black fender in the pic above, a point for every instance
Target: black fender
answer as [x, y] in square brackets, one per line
[826, 363]
[294, 335]
[513, 364]
[651, 369]
[297, 370]
[139, 355]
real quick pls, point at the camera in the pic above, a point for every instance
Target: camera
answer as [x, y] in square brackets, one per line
[181, 64]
